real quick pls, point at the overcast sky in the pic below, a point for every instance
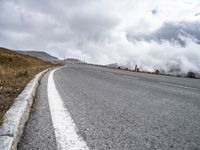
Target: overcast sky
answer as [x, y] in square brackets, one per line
[150, 33]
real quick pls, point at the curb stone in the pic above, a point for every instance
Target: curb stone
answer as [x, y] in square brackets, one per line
[16, 117]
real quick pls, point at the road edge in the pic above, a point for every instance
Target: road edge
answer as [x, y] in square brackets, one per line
[16, 117]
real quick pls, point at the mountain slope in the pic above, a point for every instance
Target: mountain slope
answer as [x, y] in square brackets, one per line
[16, 70]
[40, 54]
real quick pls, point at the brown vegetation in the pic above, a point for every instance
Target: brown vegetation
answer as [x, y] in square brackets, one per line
[16, 70]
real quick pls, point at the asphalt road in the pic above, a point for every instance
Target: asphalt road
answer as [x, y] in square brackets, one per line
[119, 110]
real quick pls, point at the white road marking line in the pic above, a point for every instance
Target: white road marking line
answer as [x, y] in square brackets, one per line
[130, 77]
[64, 127]
[180, 86]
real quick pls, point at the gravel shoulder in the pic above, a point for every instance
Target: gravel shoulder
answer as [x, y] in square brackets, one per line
[39, 132]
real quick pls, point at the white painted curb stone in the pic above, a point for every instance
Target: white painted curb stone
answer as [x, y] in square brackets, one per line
[16, 117]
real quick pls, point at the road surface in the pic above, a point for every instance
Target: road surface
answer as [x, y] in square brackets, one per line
[88, 107]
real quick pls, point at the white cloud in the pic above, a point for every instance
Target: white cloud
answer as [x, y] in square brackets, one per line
[97, 30]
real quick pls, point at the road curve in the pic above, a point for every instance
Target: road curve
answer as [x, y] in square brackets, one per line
[115, 109]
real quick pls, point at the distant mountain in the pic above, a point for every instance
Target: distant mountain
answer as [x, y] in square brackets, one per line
[73, 60]
[40, 54]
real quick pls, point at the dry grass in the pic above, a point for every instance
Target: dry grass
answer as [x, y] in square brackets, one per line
[16, 70]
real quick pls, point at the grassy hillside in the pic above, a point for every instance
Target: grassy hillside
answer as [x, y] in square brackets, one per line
[16, 70]
[40, 54]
